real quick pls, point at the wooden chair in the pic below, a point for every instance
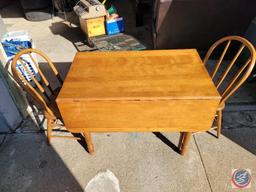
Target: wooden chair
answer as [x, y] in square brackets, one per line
[41, 91]
[236, 81]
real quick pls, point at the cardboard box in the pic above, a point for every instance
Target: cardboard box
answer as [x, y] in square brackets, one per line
[115, 26]
[93, 27]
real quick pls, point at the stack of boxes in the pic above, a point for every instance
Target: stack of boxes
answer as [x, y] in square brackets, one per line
[92, 18]
[114, 23]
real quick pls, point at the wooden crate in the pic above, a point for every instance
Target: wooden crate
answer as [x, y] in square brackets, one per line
[93, 27]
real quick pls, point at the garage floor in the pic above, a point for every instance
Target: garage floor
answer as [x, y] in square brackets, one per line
[132, 162]
[137, 161]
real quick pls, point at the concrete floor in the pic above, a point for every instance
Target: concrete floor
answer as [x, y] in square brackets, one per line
[141, 162]
[54, 37]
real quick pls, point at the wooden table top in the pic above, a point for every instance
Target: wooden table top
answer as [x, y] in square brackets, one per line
[138, 75]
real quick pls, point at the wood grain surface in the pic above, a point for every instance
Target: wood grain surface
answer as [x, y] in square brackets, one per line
[160, 90]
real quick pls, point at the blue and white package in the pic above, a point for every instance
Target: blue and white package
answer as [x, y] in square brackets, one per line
[115, 26]
[15, 41]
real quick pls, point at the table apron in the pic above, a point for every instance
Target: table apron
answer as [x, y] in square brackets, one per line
[135, 116]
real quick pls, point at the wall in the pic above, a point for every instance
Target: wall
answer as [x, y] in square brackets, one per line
[199, 23]
[10, 96]
[10, 117]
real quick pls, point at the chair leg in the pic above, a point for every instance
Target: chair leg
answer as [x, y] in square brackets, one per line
[182, 134]
[49, 129]
[89, 142]
[185, 143]
[219, 120]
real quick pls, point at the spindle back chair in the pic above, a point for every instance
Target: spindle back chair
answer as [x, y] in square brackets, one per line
[39, 89]
[238, 78]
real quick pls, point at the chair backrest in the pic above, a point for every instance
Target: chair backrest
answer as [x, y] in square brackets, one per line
[39, 88]
[243, 72]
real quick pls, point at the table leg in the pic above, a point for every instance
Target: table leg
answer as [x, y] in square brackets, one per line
[88, 139]
[185, 143]
[219, 119]
[49, 129]
[181, 140]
